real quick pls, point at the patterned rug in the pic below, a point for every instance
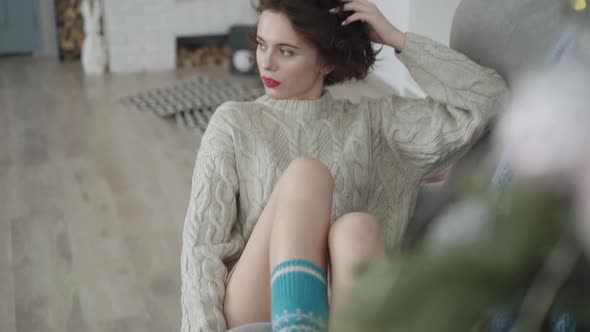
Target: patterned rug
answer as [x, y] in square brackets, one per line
[193, 101]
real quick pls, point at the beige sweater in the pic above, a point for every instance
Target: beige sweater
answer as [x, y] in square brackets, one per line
[378, 150]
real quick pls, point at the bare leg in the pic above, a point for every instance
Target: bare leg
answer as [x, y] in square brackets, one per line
[353, 238]
[247, 294]
[247, 298]
[299, 248]
[302, 215]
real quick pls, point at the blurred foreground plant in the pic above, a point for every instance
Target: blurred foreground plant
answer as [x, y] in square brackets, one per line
[521, 252]
[527, 259]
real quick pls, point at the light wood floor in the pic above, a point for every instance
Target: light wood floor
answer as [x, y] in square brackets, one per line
[92, 201]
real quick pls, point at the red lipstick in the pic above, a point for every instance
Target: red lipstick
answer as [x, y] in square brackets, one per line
[270, 83]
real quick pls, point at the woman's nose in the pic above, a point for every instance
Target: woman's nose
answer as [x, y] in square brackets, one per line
[267, 61]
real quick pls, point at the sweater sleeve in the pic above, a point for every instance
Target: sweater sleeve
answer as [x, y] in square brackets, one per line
[210, 239]
[462, 98]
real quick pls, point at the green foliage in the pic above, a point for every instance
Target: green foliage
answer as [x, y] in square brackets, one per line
[458, 288]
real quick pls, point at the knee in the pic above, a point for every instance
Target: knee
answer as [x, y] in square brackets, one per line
[306, 176]
[356, 231]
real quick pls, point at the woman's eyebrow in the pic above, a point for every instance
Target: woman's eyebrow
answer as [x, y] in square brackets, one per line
[281, 44]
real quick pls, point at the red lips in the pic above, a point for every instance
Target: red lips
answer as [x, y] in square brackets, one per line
[270, 83]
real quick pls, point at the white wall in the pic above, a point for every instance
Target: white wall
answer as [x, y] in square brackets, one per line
[388, 67]
[141, 34]
[431, 18]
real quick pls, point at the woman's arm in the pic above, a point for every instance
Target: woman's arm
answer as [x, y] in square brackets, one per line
[429, 134]
[462, 99]
[209, 237]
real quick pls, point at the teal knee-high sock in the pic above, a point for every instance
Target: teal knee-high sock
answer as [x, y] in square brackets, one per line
[299, 298]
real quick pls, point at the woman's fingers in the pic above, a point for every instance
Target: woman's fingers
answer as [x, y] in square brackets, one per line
[362, 10]
[355, 17]
[355, 6]
[369, 6]
[365, 1]
[378, 26]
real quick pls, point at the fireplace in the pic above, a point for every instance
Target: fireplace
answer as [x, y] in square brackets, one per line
[210, 50]
[144, 35]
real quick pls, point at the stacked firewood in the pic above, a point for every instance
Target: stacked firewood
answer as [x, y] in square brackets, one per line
[208, 55]
[70, 25]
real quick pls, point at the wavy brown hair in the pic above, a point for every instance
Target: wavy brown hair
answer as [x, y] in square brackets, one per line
[348, 48]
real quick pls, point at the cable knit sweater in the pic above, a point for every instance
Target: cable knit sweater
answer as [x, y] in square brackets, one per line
[378, 151]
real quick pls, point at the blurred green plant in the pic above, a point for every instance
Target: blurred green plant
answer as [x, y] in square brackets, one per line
[527, 259]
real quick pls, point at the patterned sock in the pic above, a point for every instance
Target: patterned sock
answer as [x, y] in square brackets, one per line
[299, 299]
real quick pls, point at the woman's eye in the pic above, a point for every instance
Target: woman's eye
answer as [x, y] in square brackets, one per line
[285, 52]
[261, 46]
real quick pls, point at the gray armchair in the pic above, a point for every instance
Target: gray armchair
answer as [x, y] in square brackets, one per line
[511, 36]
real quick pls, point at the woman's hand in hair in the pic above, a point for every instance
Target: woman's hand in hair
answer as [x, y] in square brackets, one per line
[379, 28]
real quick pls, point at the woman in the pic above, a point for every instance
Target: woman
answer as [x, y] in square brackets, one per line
[296, 183]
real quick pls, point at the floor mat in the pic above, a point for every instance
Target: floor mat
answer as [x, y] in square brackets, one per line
[193, 101]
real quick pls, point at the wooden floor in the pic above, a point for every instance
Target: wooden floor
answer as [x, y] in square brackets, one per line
[92, 201]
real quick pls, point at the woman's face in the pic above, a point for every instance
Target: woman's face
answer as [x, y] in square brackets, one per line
[290, 67]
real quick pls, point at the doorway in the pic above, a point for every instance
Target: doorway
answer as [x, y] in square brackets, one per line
[18, 26]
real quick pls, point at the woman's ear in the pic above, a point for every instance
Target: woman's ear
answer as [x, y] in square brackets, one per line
[327, 69]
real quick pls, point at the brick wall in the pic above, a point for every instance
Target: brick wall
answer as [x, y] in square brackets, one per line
[141, 34]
